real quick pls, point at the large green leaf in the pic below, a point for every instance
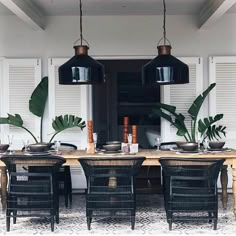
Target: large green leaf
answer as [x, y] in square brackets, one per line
[197, 103]
[61, 123]
[12, 120]
[204, 124]
[39, 97]
[215, 132]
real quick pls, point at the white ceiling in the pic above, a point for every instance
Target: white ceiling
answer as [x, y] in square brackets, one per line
[116, 7]
[31, 11]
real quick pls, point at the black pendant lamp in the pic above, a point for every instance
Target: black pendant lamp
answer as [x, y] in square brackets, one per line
[165, 69]
[81, 68]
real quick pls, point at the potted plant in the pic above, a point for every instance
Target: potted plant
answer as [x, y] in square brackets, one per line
[206, 126]
[37, 105]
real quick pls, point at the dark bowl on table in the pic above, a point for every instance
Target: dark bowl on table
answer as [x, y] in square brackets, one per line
[112, 147]
[189, 147]
[113, 142]
[4, 147]
[179, 143]
[216, 144]
[39, 147]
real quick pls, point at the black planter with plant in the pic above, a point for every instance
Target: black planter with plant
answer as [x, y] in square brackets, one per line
[206, 127]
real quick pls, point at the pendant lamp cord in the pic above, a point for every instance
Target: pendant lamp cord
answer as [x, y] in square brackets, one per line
[164, 26]
[81, 27]
[81, 39]
[164, 22]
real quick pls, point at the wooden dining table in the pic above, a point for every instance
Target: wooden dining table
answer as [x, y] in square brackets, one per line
[152, 159]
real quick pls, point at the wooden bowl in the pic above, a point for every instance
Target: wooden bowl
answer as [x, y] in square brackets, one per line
[189, 146]
[4, 147]
[216, 144]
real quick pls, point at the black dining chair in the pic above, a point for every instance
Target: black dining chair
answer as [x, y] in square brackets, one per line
[32, 194]
[111, 183]
[190, 189]
[65, 183]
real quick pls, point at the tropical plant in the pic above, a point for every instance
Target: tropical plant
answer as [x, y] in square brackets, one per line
[37, 105]
[206, 127]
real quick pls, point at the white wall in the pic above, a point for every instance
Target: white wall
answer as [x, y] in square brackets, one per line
[117, 35]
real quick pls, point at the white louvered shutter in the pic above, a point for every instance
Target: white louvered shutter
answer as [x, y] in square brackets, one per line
[223, 97]
[74, 100]
[21, 76]
[182, 96]
[68, 99]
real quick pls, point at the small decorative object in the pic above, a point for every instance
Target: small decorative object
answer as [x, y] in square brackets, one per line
[90, 145]
[112, 147]
[39, 147]
[158, 143]
[216, 144]
[134, 134]
[4, 147]
[125, 129]
[189, 147]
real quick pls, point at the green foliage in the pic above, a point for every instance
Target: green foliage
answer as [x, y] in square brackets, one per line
[205, 127]
[37, 104]
[39, 98]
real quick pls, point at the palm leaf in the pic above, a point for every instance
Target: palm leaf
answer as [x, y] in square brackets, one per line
[204, 124]
[197, 103]
[61, 123]
[39, 97]
[12, 120]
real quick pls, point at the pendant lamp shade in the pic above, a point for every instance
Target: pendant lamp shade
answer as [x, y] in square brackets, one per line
[165, 69]
[81, 68]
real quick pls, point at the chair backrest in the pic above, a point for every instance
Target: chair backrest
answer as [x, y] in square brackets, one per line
[67, 146]
[111, 166]
[191, 167]
[15, 160]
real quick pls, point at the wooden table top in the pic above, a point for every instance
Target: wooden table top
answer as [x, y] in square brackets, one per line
[152, 156]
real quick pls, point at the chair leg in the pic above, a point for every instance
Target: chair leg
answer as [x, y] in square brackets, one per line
[170, 224]
[132, 222]
[89, 220]
[215, 224]
[52, 220]
[14, 216]
[8, 213]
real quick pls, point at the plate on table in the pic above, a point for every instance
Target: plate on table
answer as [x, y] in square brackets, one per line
[111, 152]
[218, 149]
[38, 153]
[183, 151]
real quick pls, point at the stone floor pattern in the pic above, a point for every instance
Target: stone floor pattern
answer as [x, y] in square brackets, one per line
[150, 220]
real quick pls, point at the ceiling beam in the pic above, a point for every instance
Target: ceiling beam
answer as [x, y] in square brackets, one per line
[212, 11]
[27, 12]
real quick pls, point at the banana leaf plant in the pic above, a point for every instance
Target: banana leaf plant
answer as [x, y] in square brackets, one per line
[37, 104]
[178, 120]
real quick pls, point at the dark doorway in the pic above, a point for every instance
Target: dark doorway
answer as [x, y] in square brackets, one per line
[124, 95]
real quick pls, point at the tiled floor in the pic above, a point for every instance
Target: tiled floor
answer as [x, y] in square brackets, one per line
[150, 220]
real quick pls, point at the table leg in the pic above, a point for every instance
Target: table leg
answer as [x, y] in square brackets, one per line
[224, 183]
[234, 188]
[3, 187]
